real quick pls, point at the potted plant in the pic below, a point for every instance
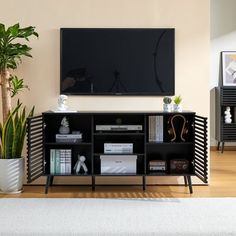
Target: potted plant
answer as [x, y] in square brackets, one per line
[13, 125]
[167, 107]
[177, 104]
[12, 135]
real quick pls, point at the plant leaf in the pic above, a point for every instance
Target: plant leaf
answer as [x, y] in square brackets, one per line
[7, 135]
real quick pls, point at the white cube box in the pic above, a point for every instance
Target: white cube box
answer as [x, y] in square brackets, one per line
[118, 164]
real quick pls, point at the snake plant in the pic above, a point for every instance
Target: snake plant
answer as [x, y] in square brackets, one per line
[13, 131]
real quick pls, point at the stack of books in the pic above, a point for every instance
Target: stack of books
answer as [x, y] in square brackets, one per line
[60, 161]
[155, 129]
[68, 138]
[157, 165]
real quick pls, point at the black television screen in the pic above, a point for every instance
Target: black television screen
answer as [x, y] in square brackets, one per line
[117, 61]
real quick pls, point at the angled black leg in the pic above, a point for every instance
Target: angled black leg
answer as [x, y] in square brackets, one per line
[185, 181]
[51, 180]
[144, 182]
[93, 183]
[222, 148]
[190, 184]
[218, 146]
[47, 183]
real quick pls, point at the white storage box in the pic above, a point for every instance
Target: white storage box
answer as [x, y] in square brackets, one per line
[118, 164]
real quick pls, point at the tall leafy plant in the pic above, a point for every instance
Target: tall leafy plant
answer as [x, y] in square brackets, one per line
[11, 53]
[13, 131]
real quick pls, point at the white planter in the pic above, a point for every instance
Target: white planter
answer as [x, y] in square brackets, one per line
[11, 175]
[167, 107]
[178, 108]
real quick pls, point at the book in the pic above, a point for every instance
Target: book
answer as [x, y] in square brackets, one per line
[62, 161]
[155, 129]
[57, 162]
[68, 161]
[52, 161]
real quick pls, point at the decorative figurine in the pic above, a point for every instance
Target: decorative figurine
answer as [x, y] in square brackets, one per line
[62, 103]
[228, 116]
[64, 128]
[80, 163]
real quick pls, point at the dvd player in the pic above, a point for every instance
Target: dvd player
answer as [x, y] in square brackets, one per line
[119, 127]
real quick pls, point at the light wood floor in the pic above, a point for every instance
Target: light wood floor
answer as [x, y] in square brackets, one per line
[222, 184]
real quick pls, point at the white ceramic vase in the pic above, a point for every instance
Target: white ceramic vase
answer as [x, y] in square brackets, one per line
[167, 107]
[11, 175]
[178, 108]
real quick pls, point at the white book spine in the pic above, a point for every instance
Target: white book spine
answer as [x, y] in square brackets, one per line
[62, 161]
[68, 161]
[57, 161]
[52, 161]
[151, 128]
[161, 129]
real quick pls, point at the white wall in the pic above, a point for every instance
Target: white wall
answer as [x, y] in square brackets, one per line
[223, 38]
[190, 18]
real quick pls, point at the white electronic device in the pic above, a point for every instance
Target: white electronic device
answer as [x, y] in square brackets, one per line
[118, 148]
[119, 127]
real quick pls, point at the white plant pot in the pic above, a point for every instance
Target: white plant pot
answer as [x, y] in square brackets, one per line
[167, 107]
[178, 108]
[11, 175]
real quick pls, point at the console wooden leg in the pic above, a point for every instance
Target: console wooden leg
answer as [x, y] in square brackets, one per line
[185, 181]
[190, 184]
[144, 183]
[218, 146]
[93, 183]
[51, 180]
[222, 148]
[47, 183]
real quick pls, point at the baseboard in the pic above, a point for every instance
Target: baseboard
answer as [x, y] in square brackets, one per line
[226, 148]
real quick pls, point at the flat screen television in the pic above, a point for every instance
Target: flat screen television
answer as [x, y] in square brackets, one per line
[117, 61]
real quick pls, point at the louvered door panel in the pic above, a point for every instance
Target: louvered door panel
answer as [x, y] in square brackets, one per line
[228, 96]
[35, 162]
[201, 152]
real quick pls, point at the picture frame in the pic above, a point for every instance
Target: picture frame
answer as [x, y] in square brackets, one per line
[228, 59]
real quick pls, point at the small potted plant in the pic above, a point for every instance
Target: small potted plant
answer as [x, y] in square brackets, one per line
[167, 107]
[177, 104]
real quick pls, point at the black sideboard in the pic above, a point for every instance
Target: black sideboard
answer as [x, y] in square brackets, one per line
[182, 138]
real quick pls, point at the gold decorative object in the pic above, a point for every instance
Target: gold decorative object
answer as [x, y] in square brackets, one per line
[172, 129]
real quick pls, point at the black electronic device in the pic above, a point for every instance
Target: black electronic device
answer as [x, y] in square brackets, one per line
[118, 61]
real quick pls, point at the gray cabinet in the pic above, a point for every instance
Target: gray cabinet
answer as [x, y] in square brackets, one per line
[225, 97]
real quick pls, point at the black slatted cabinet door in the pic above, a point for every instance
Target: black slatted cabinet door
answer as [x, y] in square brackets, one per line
[201, 151]
[35, 161]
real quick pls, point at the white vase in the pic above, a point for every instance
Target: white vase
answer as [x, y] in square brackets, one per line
[167, 107]
[178, 108]
[11, 175]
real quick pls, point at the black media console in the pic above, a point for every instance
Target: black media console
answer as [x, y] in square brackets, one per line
[167, 144]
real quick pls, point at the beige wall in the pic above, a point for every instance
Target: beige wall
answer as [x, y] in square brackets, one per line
[190, 18]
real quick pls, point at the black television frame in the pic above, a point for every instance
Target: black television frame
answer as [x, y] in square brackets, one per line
[114, 93]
